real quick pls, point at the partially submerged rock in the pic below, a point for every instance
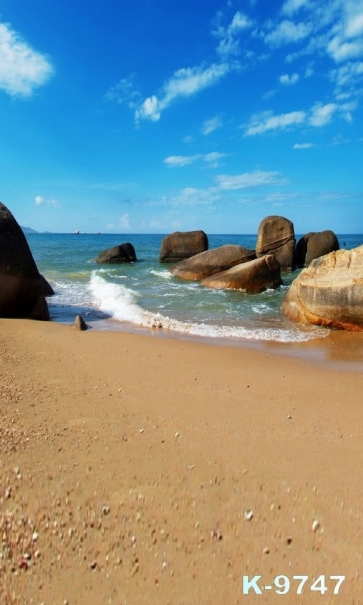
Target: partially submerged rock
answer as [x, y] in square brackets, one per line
[212, 261]
[313, 245]
[329, 292]
[22, 288]
[251, 277]
[181, 245]
[123, 253]
[276, 236]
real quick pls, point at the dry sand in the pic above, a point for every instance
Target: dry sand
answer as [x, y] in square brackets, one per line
[143, 470]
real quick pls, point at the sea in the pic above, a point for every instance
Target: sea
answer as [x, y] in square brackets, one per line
[144, 296]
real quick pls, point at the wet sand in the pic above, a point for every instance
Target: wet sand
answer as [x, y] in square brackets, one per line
[138, 470]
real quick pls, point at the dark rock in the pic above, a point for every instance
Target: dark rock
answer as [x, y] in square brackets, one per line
[79, 323]
[329, 292]
[276, 236]
[207, 263]
[124, 253]
[181, 245]
[314, 245]
[22, 288]
[251, 277]
[47, 288]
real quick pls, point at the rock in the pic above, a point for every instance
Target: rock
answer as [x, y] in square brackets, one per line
[251, 277]
[181, 245]
[314, 245]
[22, 288]
[207, 263]
[124, 253]
[47, 288]
[276, 236]
[79, 323]
[329, 292]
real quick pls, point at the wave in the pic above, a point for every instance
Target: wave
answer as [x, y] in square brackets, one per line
[161, 273]
[121, 303]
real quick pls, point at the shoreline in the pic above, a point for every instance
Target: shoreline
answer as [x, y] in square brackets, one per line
[139, 469]
[339, 349]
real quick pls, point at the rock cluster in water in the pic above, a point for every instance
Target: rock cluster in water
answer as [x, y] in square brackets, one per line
[328, 291]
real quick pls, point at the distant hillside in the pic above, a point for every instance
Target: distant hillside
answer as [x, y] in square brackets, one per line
[28, 230]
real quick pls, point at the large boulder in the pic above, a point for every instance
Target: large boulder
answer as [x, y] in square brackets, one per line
[22, 288]
[329, 292]
[212, 261]
[182, 244]
[123, 253]
[252, 277]
[313, 245]
[276, 236]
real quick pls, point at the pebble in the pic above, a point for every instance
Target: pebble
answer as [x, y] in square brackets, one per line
[315, 526]
[249, 515]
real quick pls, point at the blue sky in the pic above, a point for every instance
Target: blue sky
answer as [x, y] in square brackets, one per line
[150, 116]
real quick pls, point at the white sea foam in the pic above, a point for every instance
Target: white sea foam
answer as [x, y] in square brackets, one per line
[116, 300]
[121, 303]
[161, 273]
[261, 308]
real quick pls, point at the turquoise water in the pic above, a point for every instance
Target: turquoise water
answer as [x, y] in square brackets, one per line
[144, 295]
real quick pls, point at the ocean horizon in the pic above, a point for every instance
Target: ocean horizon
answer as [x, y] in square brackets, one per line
[144, 296]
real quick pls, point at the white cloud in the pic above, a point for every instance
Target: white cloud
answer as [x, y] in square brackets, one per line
[286, 32]
[322, 114]
[317, 116]
[229, 43]
[124, 92]
[289, 80]
[124, 221]
[149, 110]
[41, 201]
[342, 50]
[211, 125]
[185, 82]
[213, 157]
[346, 110]
[177, 161]
[265, 122]
[292, 6]
[344, 75]
[249, 179]
[354, 25]
[303, 145]
[180, 160]
[22, 69]
[188, 139]
[191, 196]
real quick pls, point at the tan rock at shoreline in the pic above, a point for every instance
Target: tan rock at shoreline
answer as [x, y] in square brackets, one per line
[329, 292]
[252, 277]
[213, 261]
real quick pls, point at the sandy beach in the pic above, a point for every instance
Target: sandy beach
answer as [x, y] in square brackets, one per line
[144, 470]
